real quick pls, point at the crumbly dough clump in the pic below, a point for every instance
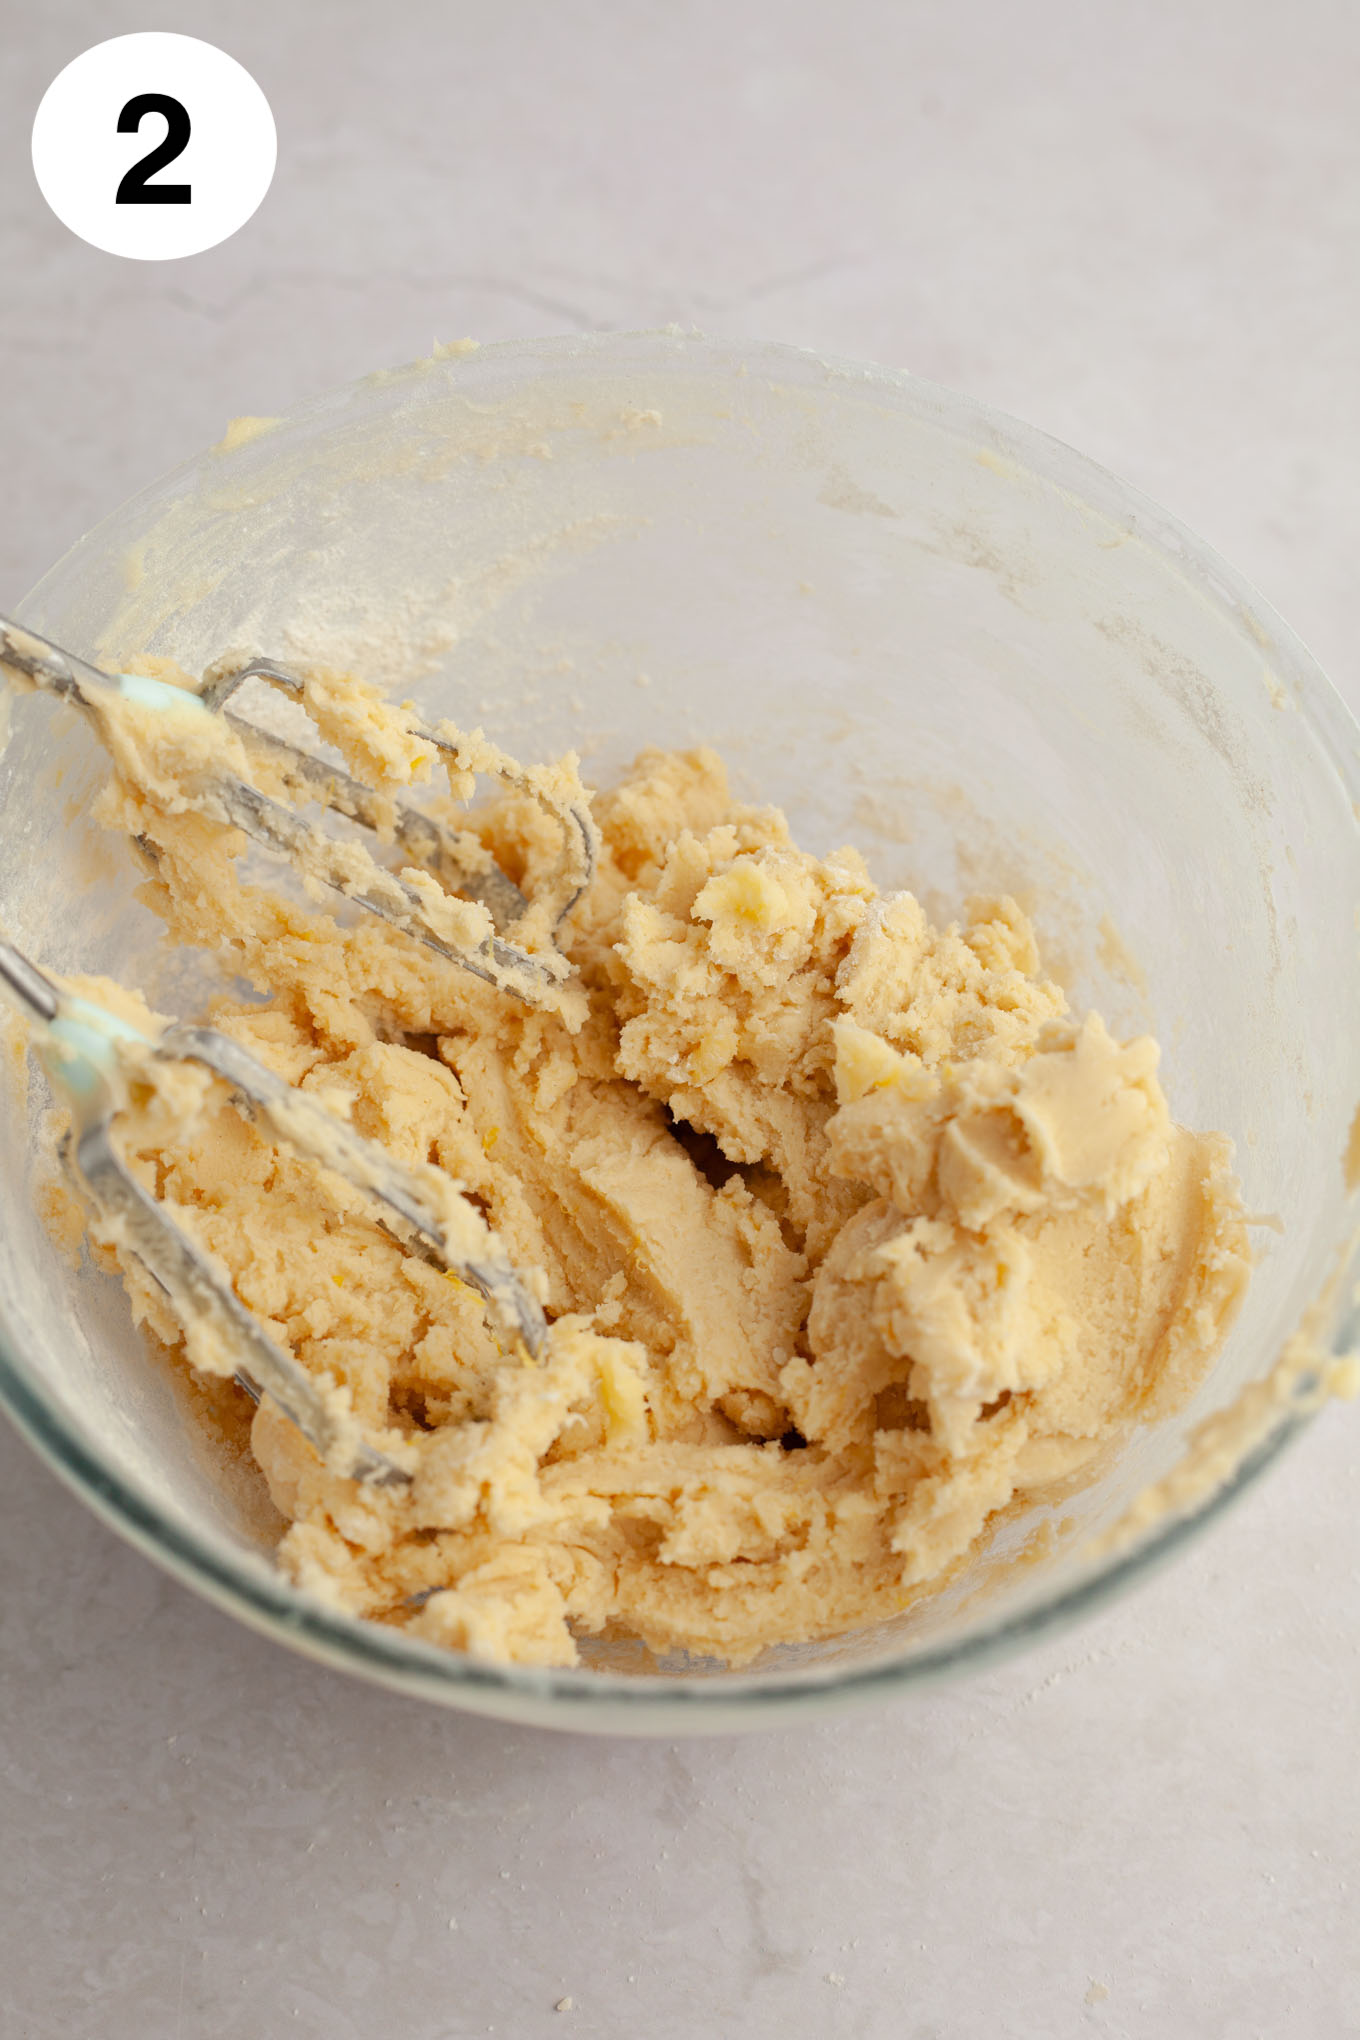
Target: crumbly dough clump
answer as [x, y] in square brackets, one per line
[850, 1234]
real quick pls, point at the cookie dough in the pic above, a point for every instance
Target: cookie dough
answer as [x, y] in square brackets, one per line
[850, 1234]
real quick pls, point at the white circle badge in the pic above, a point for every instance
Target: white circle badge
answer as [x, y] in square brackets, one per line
[154, 146]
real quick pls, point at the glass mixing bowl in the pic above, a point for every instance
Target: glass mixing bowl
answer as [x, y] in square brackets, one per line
[919, 627]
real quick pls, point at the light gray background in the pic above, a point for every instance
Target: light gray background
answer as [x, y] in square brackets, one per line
[1134, 225]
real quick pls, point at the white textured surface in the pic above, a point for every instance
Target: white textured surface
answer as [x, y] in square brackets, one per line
[1135, 227]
